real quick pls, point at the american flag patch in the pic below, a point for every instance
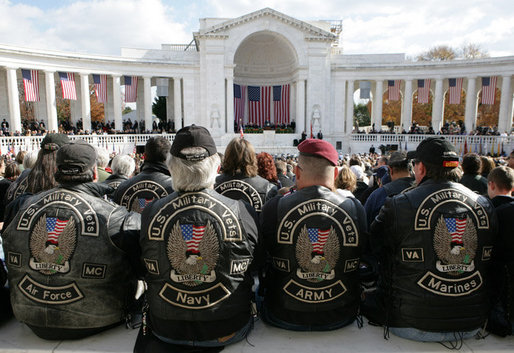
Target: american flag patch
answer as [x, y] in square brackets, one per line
[54, 228]
[318, 238]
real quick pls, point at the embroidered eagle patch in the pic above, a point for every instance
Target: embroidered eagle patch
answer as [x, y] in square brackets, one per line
[52, 243]
[193, 251]
[317, 252]
[455, 244]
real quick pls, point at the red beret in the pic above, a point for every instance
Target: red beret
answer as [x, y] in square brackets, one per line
[319, 148]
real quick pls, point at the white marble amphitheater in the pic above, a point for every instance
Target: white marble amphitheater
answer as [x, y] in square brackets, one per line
[262, 48]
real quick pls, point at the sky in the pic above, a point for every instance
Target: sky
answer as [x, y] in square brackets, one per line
[369, 26]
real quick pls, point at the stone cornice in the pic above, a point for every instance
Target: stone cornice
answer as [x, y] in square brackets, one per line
[312, 31]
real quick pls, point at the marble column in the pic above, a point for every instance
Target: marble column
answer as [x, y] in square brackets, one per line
[85, 102]
[14, 102]
[300, 107]
[349, 106]
[338, 123]
[116, 102]
[229, 123]
[177, 99]
[438, 105]
[470, 115]
[407, 106]
[505, 114]
[51, 107]
[147, 82]
[377, 105]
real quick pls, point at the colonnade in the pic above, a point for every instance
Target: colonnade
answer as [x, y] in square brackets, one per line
[46, 109]
[439, 87]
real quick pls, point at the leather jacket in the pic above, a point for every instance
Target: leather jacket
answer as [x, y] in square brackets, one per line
[254, 190]
[154, 182]
[197, 247]
[65, 269]
[436, 242]
[313, 238]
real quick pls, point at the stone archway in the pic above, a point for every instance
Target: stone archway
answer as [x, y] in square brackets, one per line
[267, 59]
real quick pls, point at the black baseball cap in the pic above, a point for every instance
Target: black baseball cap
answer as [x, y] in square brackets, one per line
[193, 136]
[436, 151]
[52, 142]
[397, 157]
[76, 157]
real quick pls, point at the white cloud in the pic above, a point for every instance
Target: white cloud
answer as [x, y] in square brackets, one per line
[101, 26]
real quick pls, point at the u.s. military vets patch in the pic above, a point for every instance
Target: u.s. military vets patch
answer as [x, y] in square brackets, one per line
[142, 193]
[455, 241]
[241, 190]
[317, 229]
[193, 247]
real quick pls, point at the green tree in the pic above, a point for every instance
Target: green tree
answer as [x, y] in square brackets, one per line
[361, 114]
[126, 110]
[159, 108]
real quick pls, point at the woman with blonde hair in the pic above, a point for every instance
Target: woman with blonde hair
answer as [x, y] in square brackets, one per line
[346, 182]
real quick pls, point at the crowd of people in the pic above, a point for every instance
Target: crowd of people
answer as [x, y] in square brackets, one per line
[419, 242]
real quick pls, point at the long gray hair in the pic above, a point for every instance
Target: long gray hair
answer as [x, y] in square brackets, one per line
[193, 175]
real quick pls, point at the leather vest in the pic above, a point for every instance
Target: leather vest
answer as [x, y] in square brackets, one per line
[253, 190]
[18, 187]
[64, 270]
[438, 244]
[197, 248]
[315, 251]
[153, 183]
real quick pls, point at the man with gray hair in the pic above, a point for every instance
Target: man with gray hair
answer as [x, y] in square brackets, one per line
[102, 160]
[122, 169]
[198, 246]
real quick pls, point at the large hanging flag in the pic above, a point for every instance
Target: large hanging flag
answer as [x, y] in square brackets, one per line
[100, 82]
[365, 88]
[130, 88]
[455, 90]
[259, 104]
[31, 85]
[488, 90]
[393, 90]
[423, 91]
[68, 85]
[239, 102]
[281, 104]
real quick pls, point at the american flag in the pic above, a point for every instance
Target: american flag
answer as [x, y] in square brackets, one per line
[318, 238]
[130, 88]
[144, 202]
[31, 85]
[239, 102]
[259, 104]
[394, 90]
[192, 235]
[456, 227]
[488, 90]
[68, 85]
[54, 228]
[455, 90]
[423, 91]
[281, 104]
[100, 82]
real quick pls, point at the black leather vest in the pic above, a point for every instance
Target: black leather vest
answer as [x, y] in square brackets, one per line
[315, 251]
[153, 183]
[255, 190]
[64, 270]
[438, 243]
[197, 249]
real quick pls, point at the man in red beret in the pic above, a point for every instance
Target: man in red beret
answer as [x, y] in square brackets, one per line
[313, 240]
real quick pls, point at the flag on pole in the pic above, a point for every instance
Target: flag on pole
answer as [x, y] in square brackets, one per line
[259, 104]
[100, 82]
[68, 85]
[241, 133]
[281, 104]
[454, 90]
[312, 135]
[393, 90]
[130, 88]
[488, 90]
[31, 85]
[423, 91]
[239, 102]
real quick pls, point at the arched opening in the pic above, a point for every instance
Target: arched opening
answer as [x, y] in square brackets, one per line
[264, 83]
